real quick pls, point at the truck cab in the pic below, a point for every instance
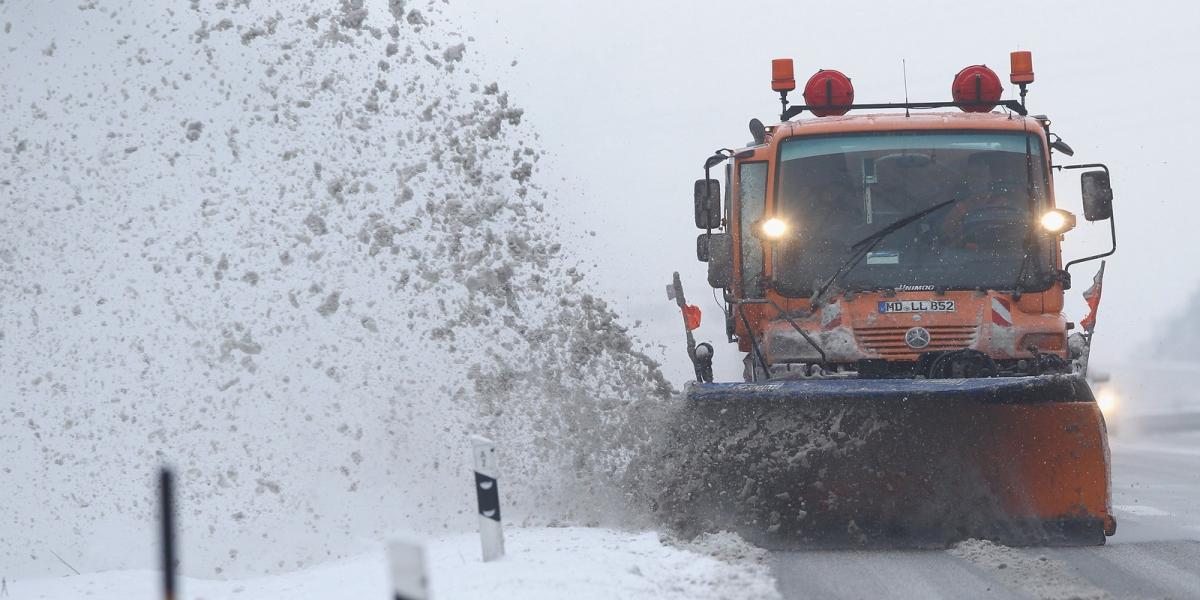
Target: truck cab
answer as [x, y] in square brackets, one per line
[896, 245]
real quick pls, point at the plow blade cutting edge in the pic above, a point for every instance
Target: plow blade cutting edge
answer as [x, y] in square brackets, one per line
[1021, 460]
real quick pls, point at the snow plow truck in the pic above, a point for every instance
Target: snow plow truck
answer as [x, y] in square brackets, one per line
[894, 276]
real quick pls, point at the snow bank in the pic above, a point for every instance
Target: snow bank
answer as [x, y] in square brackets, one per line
[554, 563]
[297, 249]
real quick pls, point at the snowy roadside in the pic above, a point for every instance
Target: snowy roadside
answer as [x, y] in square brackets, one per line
[569, 562]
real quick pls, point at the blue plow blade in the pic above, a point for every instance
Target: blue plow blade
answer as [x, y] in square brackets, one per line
[993, 390]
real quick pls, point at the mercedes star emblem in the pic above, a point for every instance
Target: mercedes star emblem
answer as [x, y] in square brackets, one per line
[917, 337]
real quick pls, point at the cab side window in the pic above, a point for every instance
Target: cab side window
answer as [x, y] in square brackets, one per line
[752, 195]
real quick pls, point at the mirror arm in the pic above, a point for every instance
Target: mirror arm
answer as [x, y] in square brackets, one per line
[1112, 222]
[717, 158]
[1087, 166]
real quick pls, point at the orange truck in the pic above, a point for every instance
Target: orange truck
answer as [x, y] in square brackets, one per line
[894, 275]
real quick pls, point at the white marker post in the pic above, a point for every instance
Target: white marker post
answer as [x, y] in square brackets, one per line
[407, 559]
[487, 492]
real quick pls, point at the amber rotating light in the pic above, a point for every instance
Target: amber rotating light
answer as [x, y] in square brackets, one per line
[783, 78]
[1020, 70]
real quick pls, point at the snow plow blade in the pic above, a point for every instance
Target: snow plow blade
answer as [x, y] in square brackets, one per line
[1021, 461]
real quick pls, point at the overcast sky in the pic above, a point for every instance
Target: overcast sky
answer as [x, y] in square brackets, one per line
[631, 96]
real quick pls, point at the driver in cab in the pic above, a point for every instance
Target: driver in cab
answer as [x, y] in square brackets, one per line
[986, 192]
[824, 185]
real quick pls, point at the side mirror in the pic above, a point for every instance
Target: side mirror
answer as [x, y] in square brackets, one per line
[1063, 147]
[702, 253]
[1097, 195]
[708, 203]
[720, 260]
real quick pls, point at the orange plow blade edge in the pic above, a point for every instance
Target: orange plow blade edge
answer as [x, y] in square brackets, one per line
[1020, 461]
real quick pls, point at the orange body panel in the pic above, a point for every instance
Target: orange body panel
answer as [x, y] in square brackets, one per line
[858, 331]
[849, 330]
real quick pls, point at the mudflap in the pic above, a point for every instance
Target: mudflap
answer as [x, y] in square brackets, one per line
[1020, 461]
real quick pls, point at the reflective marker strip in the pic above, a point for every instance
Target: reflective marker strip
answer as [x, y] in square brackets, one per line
[1001, 312]
[488, 494]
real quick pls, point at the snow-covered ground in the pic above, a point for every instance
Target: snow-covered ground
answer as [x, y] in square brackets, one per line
[1155, 554]
[542, 563]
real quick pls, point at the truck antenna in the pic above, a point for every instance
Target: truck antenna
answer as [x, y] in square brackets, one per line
[904, 70]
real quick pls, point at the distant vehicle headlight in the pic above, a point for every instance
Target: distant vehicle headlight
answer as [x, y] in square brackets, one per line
[1106, 398]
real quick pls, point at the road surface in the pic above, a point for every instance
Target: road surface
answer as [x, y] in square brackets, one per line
[1155, 553]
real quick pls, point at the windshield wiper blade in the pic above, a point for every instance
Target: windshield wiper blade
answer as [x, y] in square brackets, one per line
[864, 246]
[1030, 249]
[900, 223]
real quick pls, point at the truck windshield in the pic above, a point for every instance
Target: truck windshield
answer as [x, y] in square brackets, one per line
[835, 190]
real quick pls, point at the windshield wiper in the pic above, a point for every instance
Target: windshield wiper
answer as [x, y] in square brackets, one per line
[864, 246]
[1032, 251]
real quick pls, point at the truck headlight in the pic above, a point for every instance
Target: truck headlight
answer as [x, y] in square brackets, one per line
[1057, 220]
[774, 228]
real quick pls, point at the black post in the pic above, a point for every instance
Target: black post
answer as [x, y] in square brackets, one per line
[166, 486]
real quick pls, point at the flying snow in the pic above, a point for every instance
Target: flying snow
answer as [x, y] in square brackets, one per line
[298, 251]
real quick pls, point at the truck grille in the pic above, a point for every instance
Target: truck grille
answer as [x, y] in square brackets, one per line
[888, 342]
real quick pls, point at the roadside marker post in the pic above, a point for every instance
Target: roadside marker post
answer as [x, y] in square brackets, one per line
[407, 560]
[166, 489]
[487, 493]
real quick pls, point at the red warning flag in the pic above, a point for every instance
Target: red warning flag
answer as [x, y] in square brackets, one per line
[691, 316]
[1092, 296]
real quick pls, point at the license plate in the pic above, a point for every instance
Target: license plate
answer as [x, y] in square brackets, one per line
[904, 306]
